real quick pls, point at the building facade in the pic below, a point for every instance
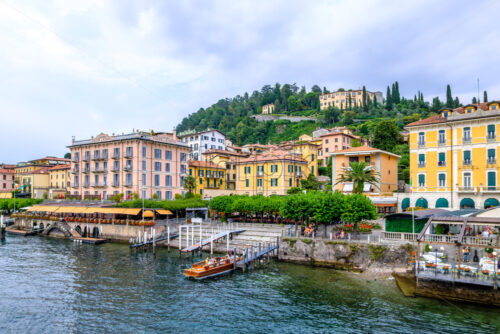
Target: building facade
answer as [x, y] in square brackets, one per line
[340, 99]
[271, 172]
[6, 180]
[139, 163]
[268, 108]
[384, 164]
[201, 142]
[333, 141]
[210, 178]
[59, 178]
[453, 159]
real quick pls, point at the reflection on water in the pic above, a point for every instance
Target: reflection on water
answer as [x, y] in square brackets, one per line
[55, 286]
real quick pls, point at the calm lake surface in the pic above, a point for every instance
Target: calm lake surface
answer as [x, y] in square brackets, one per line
[56, 286]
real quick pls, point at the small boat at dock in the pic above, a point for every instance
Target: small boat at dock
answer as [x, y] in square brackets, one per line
[211, 267]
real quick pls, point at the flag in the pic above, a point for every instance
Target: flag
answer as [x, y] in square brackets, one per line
[411, 185]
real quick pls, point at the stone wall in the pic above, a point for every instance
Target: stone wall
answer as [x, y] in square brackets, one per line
[345, 255]
[265, 118]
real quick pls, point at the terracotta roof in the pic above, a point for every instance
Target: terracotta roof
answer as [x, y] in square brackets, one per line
[8, 166]
[222, 152]
[363, 149]
[51, 158]
[6, 171]
[60, 167]
[439, 119]
[44, 170]
[204, 164]
[273, 155]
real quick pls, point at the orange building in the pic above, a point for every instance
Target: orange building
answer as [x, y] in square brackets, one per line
[384, 163]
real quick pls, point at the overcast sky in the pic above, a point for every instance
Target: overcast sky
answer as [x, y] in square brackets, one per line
[78, 68]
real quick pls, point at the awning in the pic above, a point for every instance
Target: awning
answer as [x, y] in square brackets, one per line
[132, 212]
[164, 212]
[148, 214]
[367, 187]
[348, 187]
[42, 208]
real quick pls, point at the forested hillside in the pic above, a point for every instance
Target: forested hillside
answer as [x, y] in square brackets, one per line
[371, 120]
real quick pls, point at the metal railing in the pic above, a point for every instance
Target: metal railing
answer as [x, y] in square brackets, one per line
[466, 140]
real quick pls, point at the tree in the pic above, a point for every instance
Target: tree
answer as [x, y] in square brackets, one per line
[330, 115]
[311, 183]
[386, 135]
[67, 156]
[329, 170]
[359, 173]
[485, 96]
[118, 197]
[474, 100]
[294, 190]
[388, 101]
[190, 183]
[364, 101]
[293, 103]
[358, 207]
[316, 89]
[329, 208]
[456, 102]
[436, 104]
[449, 97]
[349, 117]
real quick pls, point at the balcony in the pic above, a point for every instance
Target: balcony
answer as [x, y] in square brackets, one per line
[100, 157]
[99, 185]
[298, 174]
[490, 189]
[86, 170]
[260, 173]
[467, 189]
[100, 170]
[421, 144]
[75, 171]
[128, 184]
[86, 157]
[75, 159]
[75, 185]
[442, 142]
[115, 184]
[127, 168]
[86, 184]
[115, 168]
[115, 156]
[128, 155]
[466, 140]
[491, 138]
[491, 161]
[421, 164]
[441, 163]
[467, 163]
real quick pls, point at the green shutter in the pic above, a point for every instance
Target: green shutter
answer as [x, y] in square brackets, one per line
[442, 156]
[491, 128]
[466, 155]
[491, 153]
[247, 183]
[442, 177]
[290, 182]
[492, 182]
[421, 157]
[421, 179]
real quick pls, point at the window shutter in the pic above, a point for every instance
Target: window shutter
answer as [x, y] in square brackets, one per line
[466, 155]
[421, 157]
[442, 157]
[491, 153]
[421, 179]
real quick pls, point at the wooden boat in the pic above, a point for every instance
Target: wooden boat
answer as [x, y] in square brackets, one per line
[211, 267]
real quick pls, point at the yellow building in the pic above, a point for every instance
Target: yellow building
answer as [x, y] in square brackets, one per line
[268, 108]
[308, 151]
[340, 99]
[453, 158]
[385, 165]
[210, 178]
[271, 172]
[59, 181]
[35, 182]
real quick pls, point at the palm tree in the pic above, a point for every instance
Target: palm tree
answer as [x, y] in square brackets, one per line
[359, 173]
[190, 183]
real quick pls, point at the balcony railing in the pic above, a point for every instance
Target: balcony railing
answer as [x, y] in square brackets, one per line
[467, 162]
[86, 158]
[86, 170]
[128, 154]
[76, 159]
[127, 168]
[421, 144]
[491, 138]
[260, 173]
[466, 140]
[441, 163]
[491, 161]
[116, 156]
[100, 157]
[115, 184]
[490, 189]
[75, 185]
[75, 171]
[100, 170]
[467, 189]
[86, 184]
[115, 168]
[99, 185]
[421, 164]
[442, 142]
[128, 184]
[298, 174]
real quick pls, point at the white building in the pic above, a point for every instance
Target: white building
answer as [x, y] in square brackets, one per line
[201, 142]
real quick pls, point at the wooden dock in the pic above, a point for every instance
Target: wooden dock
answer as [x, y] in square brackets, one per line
[91, 241]
[252, 254]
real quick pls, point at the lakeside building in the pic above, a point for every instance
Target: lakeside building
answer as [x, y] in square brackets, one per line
[453, 159]
[200, 142]
[209, 177]
[271, 172]
[6, 181]
[333, 140]
[268, 108]
[59, 181]
[340, 98]
[140, 162]
[384, 163]
[307, 150]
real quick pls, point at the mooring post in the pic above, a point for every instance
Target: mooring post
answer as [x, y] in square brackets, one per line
[227, 242]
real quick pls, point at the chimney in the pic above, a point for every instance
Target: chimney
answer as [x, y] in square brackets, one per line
[174, 134]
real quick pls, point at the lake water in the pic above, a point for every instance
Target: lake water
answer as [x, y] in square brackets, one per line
[56, 286]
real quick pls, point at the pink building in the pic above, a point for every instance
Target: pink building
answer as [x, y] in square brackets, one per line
[333, 142]
[6, 179]
[140, 163]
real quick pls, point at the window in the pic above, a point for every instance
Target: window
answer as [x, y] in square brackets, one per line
[143, 164]
[201, 180]
[247, 183]
[274, 168]
[467, 180]
[442, 180]
[168, 180]
[326, 141]
[491, 155]
[466, 137]
[221, 174]
[492, 180]
[129, 179]
[116, 152]
[491, 131]
[182, 181]
[367, 159]
[183, 168]
[157, 153]
[144, 152]
[129, 151]
[200, 172]
[421, 160]
[326, 149]
[290, 169]
[290, 182]
[274, 182]
[168, 155]
[167, 167]
[97, 154]
[467, 158]
[259, 182]
[157, 166]
[157, 180]
[183, 156]
[442, 137]
[143, 179]
[158, 194]
[312, 157]
[168, 195]
[421, 180]
[247, 170]
[312, 169]
[336, 140]
[421, 138]
[116, 179]
[442, 159]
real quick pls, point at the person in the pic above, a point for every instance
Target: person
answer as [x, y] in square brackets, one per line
[466, 254]
[342, 234]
